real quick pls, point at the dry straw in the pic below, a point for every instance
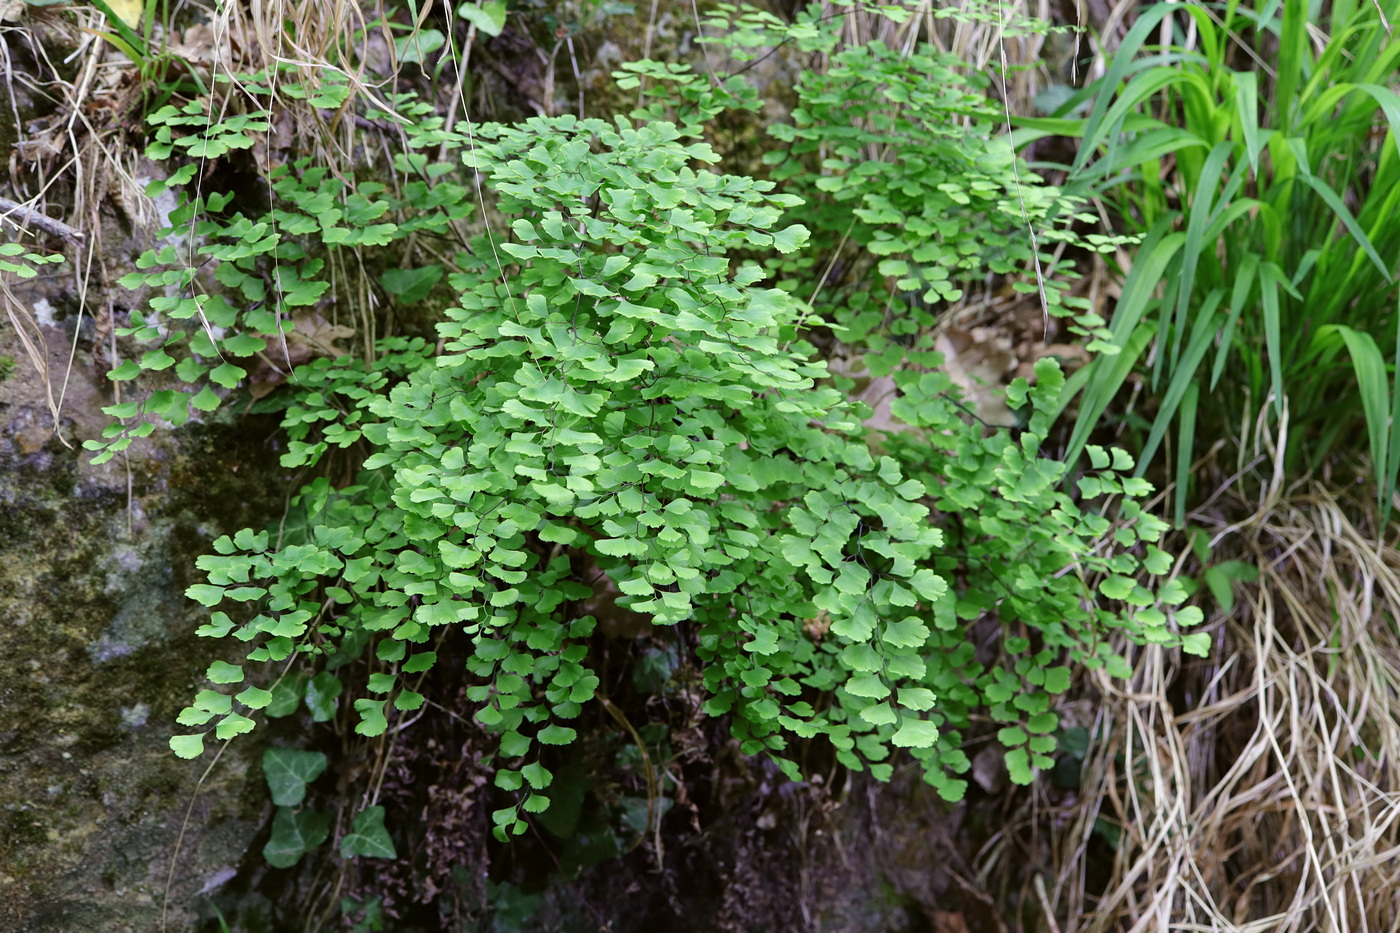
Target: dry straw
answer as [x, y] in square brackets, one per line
[1252, 791]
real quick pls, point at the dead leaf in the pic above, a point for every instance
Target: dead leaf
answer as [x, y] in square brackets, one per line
[816, 628]
[947, 921]
[978, 362]
[311, 336]
[989, 769]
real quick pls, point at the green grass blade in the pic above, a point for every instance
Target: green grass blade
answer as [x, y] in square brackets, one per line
[1244, 282]
[1269, 277]
[1184, 375]
[1143, 147]
[1393, 474]
[1247, 104]
[1369, 366]
[1186, 445]
[1196, 243]
[1331, 199]
[1117, 72]
[1389, 102]
[1157, 251]
[1292, 64]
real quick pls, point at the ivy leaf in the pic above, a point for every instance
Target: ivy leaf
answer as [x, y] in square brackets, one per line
[410, 286]
[286, 697]
[321, 695]
[369, 839]
[288, 771]
[294, 833]
[488, 17]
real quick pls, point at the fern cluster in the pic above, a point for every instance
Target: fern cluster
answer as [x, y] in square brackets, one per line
[627, 395]
[625, 384]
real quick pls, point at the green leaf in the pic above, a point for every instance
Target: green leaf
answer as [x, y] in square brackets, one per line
[294, 833]
[1117, 587]
[1197, 643]
[227, 375]
[369, 839]
[488, 17]
[372, 720]
[205, 594]
[218, 626]
[321, 694]
[1012, 735]
[1018, 766]
[790, 239]
[410, 286]
[915, 733]
[1057, 679]
[288, 771]
[205, 400]
[868, 685]
[221, 673]
[187, 746]
[555, 734]
[928, 584]
[129, 369]
[910, 632]
[254, 697]
[286, 697]
[244, 344]
[231, 725]
[537, 775]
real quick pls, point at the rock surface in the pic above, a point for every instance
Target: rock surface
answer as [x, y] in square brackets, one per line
[100, 656]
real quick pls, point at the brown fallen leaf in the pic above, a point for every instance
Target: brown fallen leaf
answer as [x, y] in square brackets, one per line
[311, 336]
[947, 921]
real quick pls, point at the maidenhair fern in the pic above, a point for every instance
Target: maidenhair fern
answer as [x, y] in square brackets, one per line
[625, 385]
[623, 393]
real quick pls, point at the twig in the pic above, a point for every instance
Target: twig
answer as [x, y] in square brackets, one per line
[40, 220]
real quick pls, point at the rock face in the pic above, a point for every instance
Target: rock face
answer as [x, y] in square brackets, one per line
[99, 655]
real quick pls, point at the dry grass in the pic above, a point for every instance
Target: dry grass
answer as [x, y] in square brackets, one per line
[69, 168]
[1255, 790]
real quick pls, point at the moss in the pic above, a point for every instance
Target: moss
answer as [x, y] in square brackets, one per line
[102, 657]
